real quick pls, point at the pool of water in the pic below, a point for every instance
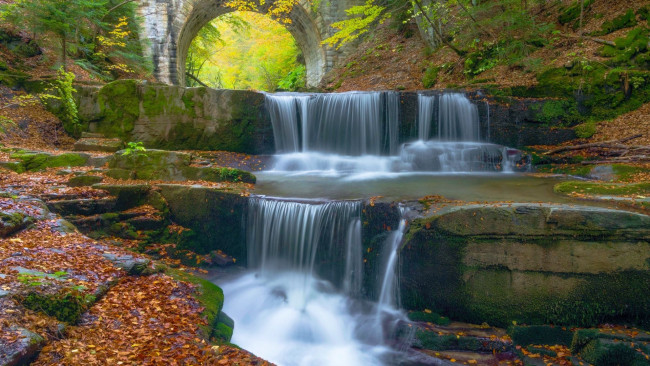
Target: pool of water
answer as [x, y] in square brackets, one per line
[409, 186]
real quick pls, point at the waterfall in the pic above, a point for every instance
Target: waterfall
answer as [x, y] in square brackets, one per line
[426, 105]
[350, 124]
[285, 123]
[458, 118]
[299, 303]
[392, 118]
[359, 133]
[284, 235]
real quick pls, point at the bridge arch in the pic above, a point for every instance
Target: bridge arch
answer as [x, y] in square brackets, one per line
[171, 25]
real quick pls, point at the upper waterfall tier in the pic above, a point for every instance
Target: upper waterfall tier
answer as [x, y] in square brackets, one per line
[353, 124]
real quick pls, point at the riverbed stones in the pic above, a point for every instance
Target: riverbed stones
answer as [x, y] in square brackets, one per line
[531, 263]
[24, 350]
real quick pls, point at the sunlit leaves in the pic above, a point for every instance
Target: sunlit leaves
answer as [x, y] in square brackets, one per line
[361, 18]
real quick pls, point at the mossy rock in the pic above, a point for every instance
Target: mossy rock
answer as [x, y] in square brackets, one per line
[84, 181]
[540, 335]
[41, 161]
[572, 13]
[626, 20]
[450, 342]
[601, 353]
[219, 175]
[610, 189]
[120, 174]
[428, 317]
[119, 106]
[66, 306]
[11, 222]
[210, 297]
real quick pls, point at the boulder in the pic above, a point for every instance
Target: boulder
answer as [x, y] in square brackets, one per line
[529, 263]
[84, 207]
[84, 181]
[24, 350]
[130, 264]
[153, 164]
[98, 144]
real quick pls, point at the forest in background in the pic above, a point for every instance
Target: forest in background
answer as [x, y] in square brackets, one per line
[245, 50]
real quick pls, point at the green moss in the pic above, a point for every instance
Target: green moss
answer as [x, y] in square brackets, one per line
[430, 77]
[626, 20]
[428, 317]
[433, 341]
[540, 335]
[42, 161]
[586, 130]
[627, 172]
[564, 112]
[67, 306]
[599, 353]
[614, 189]
[119, 104]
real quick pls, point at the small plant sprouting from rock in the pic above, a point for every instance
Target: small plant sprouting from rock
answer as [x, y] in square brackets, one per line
[134, 148]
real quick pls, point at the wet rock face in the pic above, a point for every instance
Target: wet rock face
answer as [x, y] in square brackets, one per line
[529, 263]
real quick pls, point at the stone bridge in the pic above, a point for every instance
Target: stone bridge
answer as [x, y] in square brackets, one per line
[171, 25]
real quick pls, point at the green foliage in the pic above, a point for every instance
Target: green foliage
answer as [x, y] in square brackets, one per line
[58, 17]
[556, 111]
[245, 51]
[361, 18]
[78, 24]
[430, 77]
[428, 317]
[586, 130]
[69, 114]
[5, 124]
[134, 148]
[295, 80]
[482, 60]
[626, 20]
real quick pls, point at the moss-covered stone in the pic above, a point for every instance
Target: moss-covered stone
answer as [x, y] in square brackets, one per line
[66, 306]
[210, 296]
[540, 335]
[41, 161]
[119, 107]
[626, 20]
[219, 175]
[11, 222]
[610, 189]
[214, 215]
[84, 181]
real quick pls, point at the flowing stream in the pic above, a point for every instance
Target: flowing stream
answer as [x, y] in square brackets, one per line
[299, 304]
[358, 133]
[301, 301]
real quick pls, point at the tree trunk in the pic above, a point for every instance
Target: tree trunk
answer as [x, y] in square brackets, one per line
[438, 32]
[582, 15]
[64, 52]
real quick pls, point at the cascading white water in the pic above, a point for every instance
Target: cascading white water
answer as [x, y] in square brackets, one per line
[458, 118]
[426, 107]
[298, 306]
[358, 134]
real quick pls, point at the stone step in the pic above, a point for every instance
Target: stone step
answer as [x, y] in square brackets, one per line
[92, 135]
[98, 144]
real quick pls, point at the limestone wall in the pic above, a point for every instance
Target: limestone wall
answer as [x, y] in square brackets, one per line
[530, 264]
